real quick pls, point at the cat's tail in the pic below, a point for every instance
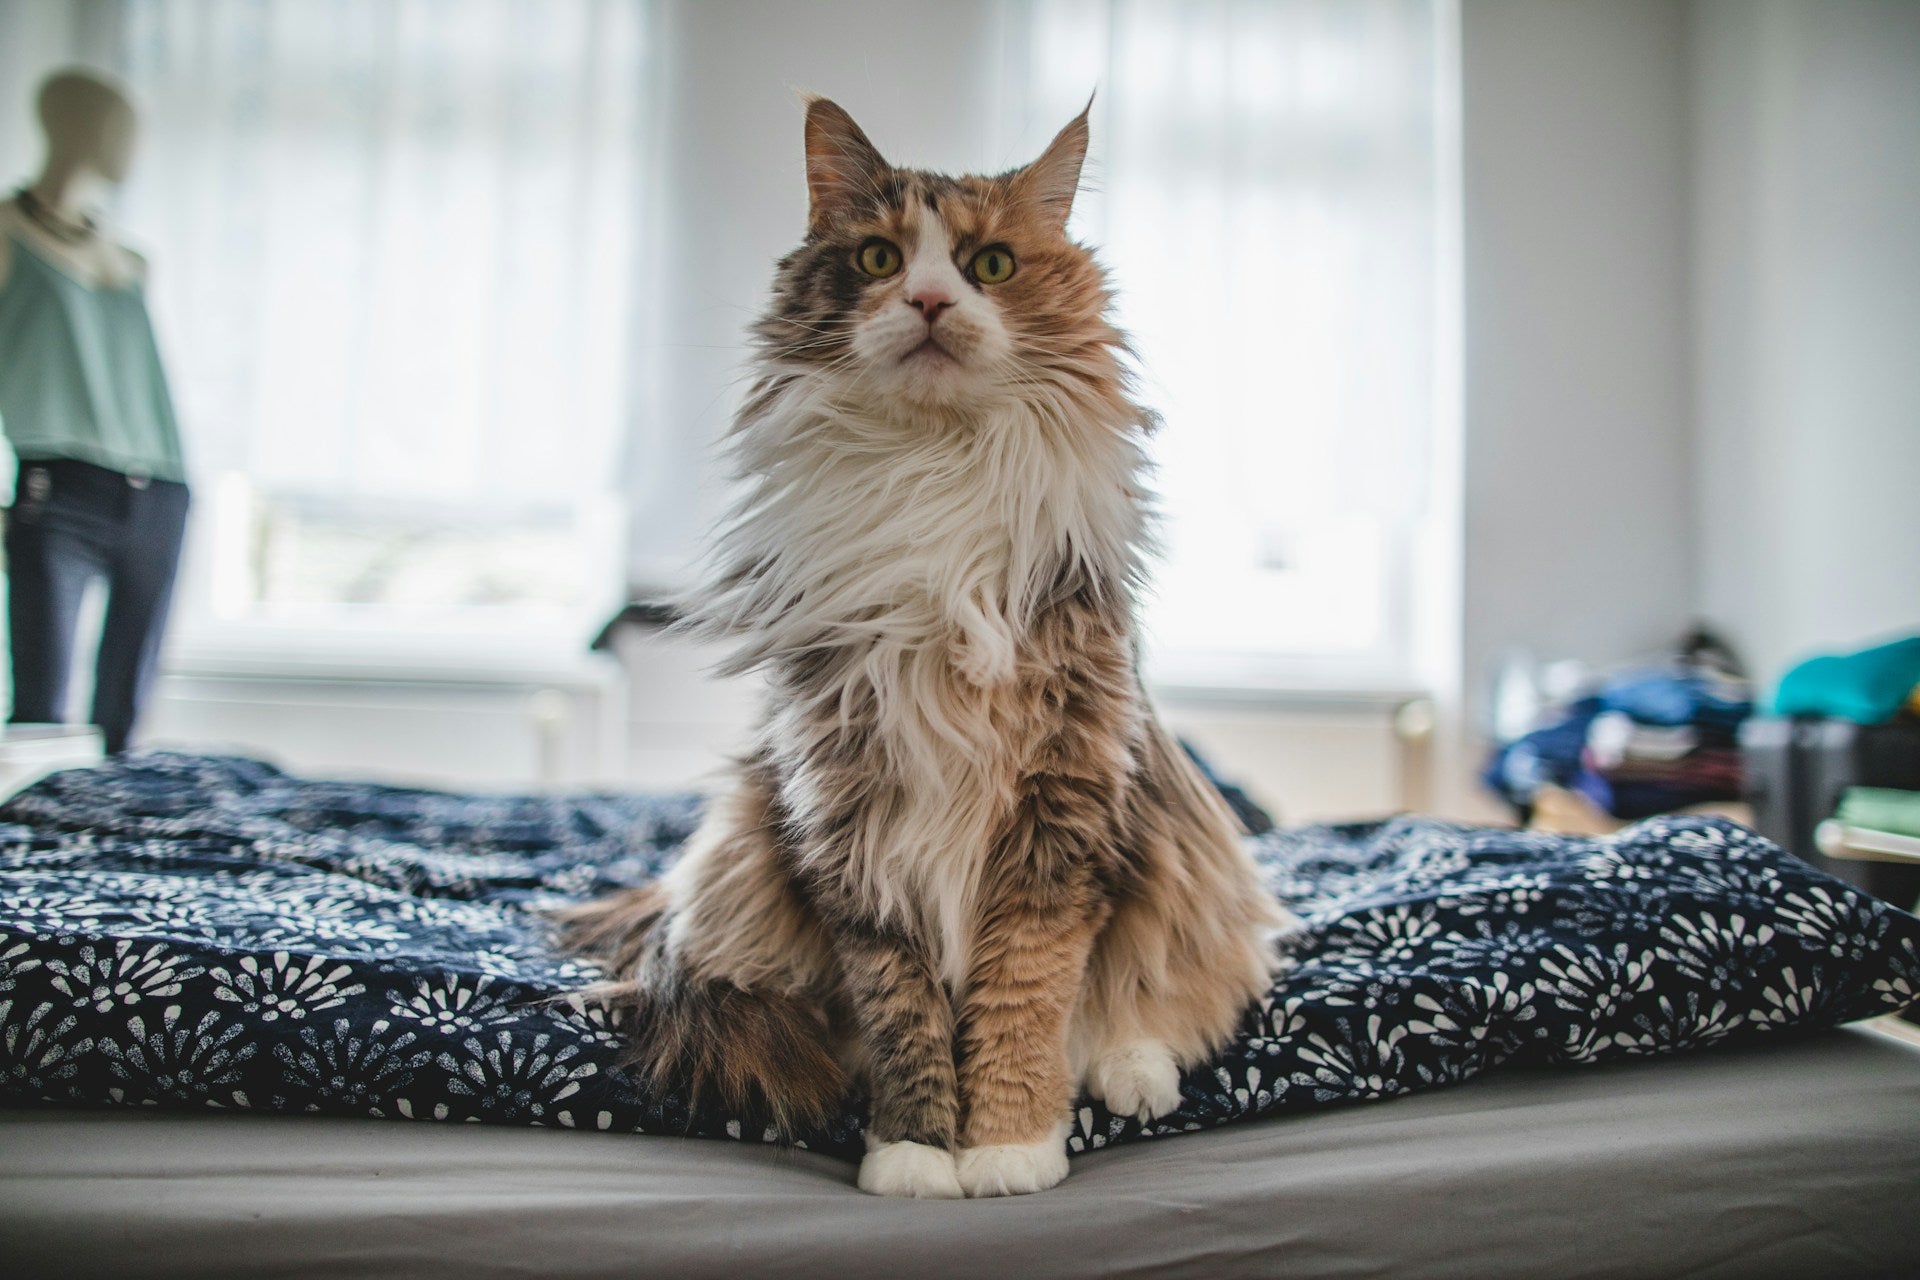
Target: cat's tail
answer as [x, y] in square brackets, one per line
[760, 1055]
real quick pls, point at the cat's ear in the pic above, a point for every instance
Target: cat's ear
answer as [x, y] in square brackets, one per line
[1052, 181]
[842, 165]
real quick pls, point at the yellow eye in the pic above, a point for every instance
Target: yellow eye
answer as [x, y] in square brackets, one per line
[878, 258]
[992, 265]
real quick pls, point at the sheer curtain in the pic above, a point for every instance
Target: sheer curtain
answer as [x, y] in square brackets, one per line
[1270, 179]
[394, 248]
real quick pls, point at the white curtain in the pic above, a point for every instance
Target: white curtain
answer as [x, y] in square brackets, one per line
[396, 251]
[395, 265]
[1269, 179]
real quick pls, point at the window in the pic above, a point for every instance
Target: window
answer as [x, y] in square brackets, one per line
[1270, 187]
[397, 292]
[401, 240]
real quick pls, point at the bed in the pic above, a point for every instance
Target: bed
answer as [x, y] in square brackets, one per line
[1640, 1169]
[1609, 1056]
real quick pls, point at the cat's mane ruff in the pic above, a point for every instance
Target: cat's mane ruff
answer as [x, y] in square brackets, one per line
[859, 521]
[930, 545]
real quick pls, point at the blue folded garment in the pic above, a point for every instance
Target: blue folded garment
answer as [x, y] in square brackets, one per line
[1677, 698]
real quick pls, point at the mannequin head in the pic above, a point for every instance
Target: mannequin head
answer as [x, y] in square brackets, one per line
[89, 124]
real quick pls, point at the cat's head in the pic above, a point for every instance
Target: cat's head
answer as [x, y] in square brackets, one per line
[936, 291]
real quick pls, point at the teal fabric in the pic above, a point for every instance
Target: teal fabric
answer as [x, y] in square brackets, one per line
[1868, 687]
[80, 373]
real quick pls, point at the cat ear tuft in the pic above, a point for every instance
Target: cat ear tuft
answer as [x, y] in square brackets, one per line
[842, 164]
[1053, 180]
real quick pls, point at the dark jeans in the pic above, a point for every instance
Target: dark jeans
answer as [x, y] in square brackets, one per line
[72, 522]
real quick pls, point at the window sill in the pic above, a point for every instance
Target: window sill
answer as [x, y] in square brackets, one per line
[390, 659]
[1361, 682]
[1293, 697]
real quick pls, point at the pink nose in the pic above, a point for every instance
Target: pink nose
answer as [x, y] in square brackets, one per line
[930, 303]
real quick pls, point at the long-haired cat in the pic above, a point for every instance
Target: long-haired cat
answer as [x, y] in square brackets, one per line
[963, 861]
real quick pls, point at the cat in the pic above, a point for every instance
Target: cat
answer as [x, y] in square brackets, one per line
[964, 861]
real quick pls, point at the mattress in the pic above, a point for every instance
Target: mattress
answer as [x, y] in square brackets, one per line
[1800, 1158]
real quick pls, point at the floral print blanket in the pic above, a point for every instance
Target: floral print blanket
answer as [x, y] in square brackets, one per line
[206, 931]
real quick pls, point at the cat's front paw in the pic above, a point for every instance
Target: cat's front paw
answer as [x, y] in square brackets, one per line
[1140, 1080]
[1014, 1168]
[909, 1169]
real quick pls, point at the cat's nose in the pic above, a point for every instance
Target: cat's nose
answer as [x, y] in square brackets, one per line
[930, 303]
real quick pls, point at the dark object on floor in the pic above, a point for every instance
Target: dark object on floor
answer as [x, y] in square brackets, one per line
[1797, 772]
[185, 931]
[1255, 820]
[648, 615]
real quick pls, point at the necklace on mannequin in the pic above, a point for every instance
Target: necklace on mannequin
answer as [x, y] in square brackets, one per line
[62, 229]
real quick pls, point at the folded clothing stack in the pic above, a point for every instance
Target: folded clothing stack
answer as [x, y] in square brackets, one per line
[1644, 742]
[1873, 824]
[1881, 809]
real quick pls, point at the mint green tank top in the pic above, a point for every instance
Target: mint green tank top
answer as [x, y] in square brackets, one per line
[80, 373]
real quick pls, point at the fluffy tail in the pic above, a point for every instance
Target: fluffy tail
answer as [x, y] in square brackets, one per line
[759, 1055]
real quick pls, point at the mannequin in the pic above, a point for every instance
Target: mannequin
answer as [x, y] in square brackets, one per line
[101, 492]
[90, 129]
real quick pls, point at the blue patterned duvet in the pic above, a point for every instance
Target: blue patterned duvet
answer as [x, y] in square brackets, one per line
[186, 931]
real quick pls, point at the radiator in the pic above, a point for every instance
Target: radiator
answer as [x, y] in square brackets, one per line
[502, 730]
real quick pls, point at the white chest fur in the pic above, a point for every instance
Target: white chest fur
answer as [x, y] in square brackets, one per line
[923, 554]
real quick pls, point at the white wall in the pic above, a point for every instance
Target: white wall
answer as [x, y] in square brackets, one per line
[1578, 461]
[1807, 325]
[1692, 325]
[562, 727]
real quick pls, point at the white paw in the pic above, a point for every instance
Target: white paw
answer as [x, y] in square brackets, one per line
[1140, 1080]
[983, 652]
[909, 1169]
[1014, 1168]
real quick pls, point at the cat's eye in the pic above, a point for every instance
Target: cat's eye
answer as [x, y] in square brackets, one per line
[992, 265]
[878, 258]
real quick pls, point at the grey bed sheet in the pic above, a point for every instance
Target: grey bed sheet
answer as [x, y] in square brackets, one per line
[1798, 1159]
